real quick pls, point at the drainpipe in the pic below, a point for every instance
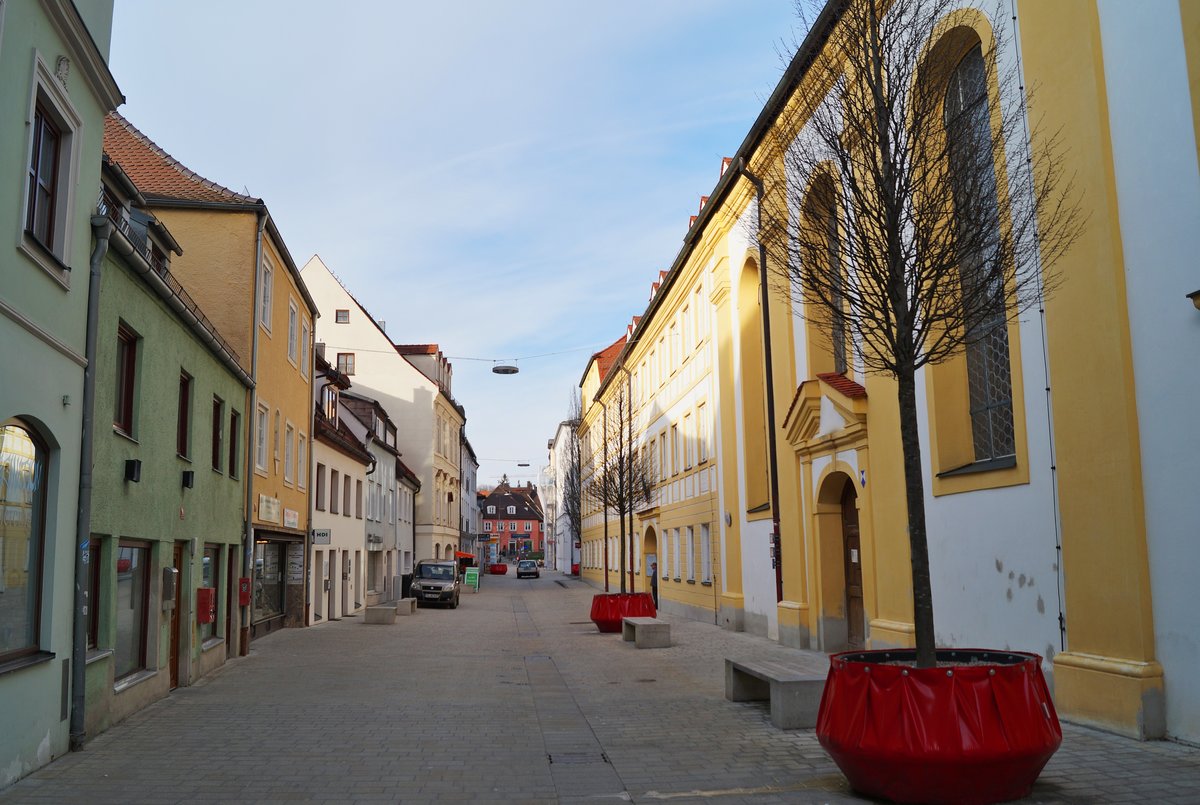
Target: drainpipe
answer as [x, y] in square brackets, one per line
[252, 416]
[768, 375]
[101, 229]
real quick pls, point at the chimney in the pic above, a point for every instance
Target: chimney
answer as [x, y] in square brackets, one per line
[320, 349]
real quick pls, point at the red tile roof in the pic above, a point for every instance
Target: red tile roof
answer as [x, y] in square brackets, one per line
[843, 385]
[607, 356]
[157, 173]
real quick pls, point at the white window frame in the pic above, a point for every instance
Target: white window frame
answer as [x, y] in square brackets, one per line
[491, 509]
[266, 288]
[529, 525]
[289, 453]
[53, 96]
[293, 332]
[487, 525]
[512, 509]
[691, 553]
[301, 459]
[305, 335]
[701, 433]
[705, 554]
[262, 420]
[675, 552]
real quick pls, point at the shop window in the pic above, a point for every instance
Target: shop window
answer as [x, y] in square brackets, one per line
[268, 580]
[132, 606]
[210, 577]
[22, 517]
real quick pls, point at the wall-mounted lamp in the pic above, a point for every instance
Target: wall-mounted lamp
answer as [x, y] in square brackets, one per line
[728, 519]
[133, 470]
[189, 478]
[1195, 297]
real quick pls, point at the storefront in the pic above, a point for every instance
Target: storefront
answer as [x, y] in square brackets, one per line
[278, 582]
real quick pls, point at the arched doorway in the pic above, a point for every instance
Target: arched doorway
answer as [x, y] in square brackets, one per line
[852, 561]
[650, 557]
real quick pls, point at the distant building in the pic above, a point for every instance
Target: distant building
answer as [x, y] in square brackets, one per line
[514, 517]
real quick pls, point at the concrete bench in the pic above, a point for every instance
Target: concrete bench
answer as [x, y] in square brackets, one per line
[646, 632]
[795, 694]
[406, 606]
[382, 614]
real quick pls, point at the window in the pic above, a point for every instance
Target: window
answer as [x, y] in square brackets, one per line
[391, 506]
[210, 577]
[500, 526]
[23, 464]
[269, 581]
[491, 509]
[358, 499]
[132, 600]
[676, 464]
[345, 495]
[289, 454]
[301, 461]
[972, 174]
[675, 551]
[691, 553]
[512, 509]
[487, 525]
[218, 423]
[293, 350]
[127, 349]
[268, 282]
[705, 555]
[662, 457]
[753, 392]
[341, 317]
[701, 322]
[335, 490]
[260, 437]
[701, 433]
[320, 501]
[275, 442]
[305, 335]
[43, 178]
[183, 423]
[235, 435]
[688, 442]
[345, 363]
[512, 526]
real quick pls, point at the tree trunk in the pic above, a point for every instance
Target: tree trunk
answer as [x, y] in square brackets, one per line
[914, 487]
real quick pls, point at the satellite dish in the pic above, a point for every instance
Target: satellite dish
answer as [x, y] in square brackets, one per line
[504, 369]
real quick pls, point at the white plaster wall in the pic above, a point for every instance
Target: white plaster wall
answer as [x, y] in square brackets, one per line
[1158, 197]
[381, 373]
[348, 533]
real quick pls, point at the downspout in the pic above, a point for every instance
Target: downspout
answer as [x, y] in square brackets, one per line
[252, 416]
[101, 229]
[768, 376]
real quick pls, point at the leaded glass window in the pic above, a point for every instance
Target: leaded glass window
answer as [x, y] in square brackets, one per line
[973, 179]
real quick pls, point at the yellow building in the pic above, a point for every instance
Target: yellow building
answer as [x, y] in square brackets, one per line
[1064, 529]
[239, 271]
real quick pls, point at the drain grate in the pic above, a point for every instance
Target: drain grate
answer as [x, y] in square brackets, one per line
[576, 758]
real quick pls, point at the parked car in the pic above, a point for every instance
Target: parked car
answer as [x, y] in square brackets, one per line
[436, 582]
[528, 567]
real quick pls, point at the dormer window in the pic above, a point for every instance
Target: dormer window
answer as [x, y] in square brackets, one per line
[512, 509]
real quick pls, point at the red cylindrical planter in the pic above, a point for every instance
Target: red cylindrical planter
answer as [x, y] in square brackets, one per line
[498, 569]
[977, 731]
[609, 608]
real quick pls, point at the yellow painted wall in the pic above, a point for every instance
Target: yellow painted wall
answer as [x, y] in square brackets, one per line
[1108, 675]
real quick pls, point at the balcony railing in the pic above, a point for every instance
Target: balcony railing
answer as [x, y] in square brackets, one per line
[111, 209]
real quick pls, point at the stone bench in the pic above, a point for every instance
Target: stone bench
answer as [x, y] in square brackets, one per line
[646, 632]
[795, 694]
[381, 614]
[406, 606]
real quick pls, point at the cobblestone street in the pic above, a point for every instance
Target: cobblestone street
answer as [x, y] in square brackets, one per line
[513, 697]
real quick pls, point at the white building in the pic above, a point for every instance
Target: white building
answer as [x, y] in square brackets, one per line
[470, 519]
[413, 384]
[340, 464]
[562, 544]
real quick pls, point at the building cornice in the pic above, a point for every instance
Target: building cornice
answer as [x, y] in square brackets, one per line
[70, 26]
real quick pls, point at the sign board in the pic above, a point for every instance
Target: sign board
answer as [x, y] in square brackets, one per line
[321, 536]
[295, 563]
[472, 578]
[268, 509]
[291, 518]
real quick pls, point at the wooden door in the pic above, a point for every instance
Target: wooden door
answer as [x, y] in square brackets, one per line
[176, 620]
[855, 626]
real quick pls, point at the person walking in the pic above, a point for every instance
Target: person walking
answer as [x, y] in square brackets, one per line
[654, 582]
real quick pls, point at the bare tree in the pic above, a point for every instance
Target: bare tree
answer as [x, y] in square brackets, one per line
[572, 492]
[906, 214]
[622, 477]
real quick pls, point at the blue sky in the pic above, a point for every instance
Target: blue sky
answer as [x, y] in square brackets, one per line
[505, 179]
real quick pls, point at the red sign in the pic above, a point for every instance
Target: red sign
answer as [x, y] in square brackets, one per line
[244, 592]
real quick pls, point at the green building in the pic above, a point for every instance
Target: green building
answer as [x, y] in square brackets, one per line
[55, 91]
[169, 492]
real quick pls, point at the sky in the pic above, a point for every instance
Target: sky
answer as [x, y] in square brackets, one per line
[504, 179]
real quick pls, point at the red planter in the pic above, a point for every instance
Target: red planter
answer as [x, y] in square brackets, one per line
[609, 608]
[972, 733]
[498, 569]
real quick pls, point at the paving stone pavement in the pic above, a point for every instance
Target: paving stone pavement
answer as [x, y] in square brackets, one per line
[513, 697]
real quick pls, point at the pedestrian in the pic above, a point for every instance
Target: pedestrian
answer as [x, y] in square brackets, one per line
[654, 582]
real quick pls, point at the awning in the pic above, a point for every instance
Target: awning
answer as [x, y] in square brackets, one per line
[462, 555]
